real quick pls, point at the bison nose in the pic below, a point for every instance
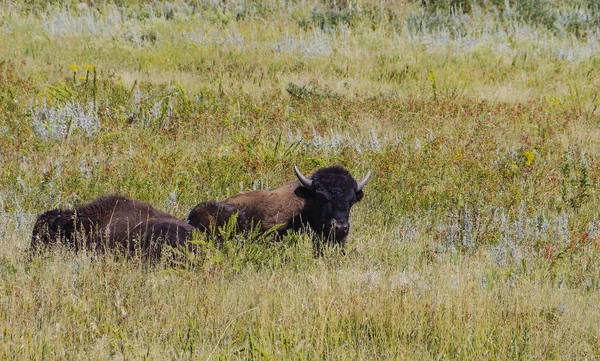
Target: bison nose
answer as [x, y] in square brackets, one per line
[342, 227]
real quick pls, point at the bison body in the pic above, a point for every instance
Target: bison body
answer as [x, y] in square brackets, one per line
[112, 222]
[321, 204]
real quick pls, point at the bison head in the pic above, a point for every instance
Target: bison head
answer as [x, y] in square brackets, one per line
[51, 226]
[332, 192]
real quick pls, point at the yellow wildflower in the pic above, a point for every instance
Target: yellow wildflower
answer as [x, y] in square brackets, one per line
[529, 156]
[74, 67]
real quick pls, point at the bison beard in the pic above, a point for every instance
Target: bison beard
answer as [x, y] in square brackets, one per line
[112, 222]
[321, 204]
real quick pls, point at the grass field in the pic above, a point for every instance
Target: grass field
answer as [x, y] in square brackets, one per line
[479, 233]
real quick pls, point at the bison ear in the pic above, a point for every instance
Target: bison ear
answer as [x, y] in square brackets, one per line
[304, 193]
[359, 195]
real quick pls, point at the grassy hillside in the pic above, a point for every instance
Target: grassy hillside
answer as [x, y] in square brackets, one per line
[479, 234]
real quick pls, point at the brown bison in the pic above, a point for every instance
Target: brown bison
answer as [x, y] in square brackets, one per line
[112, 222]
[321, 203]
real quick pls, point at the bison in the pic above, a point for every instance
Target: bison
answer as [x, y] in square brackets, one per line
[320, 203]
[112, 222]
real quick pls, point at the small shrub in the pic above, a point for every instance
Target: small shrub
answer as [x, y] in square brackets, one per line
[231, 251]
[331, 17]
[309, 91]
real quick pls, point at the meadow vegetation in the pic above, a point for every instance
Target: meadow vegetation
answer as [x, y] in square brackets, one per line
[479, 233]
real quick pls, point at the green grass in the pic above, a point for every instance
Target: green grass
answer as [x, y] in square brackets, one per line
[479, 234]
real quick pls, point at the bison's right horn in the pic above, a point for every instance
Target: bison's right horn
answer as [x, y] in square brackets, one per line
[305, 181]
[364, 181]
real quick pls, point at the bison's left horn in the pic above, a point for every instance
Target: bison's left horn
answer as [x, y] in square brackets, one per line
[305, 181]
[364, 181]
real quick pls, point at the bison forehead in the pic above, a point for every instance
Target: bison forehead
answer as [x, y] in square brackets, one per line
[53, 215]
[336, 180]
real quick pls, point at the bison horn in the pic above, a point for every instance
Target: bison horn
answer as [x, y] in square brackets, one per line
[364, 181]
[305, 181]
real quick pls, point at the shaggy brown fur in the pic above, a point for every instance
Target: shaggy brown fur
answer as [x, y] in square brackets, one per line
[271, 207]
[112, 222]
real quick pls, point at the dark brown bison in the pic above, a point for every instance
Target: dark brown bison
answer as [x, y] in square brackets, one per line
[320, 202]
[112, 222]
